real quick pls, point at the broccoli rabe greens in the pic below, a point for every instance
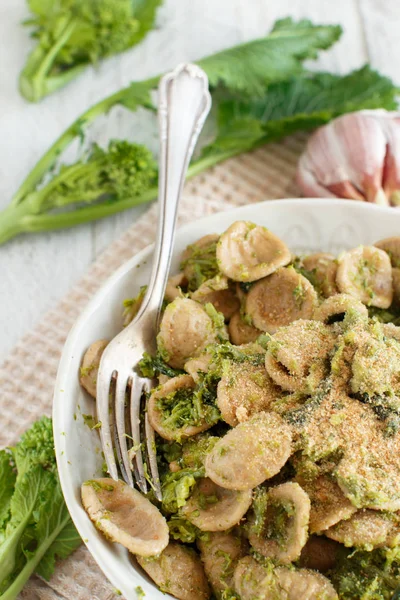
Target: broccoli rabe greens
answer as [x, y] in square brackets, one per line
[260, 91]
[72, 35]
[35, 526]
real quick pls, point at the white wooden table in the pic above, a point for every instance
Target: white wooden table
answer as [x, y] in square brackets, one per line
[36, 270]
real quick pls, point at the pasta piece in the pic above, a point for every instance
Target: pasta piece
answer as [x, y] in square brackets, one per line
[247, 252]
[212, 508]
[319, 554]
[174, 287]
[296, 356]
[90, 366]
[328, 503]
[253, 581]
[375, 370]
[178, 571]
[250, 453]
[199, 261]
[323, 267]
[280, 299]
[334, 308]
[220, 553]
[367, 529]
[241, 332]
[366, 274]
[196, 366]
[396, 286]
[285, 529]
[304, 584]
[218, 291]
[391, 246]
[391, 331]
[370, 476]
[171, 412]
[125, 516]
[244, 390]
[185, 330]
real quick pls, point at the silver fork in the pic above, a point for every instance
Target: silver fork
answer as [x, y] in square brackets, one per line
[183, 104]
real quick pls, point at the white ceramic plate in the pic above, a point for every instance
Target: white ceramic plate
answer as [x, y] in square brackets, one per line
[305, 225]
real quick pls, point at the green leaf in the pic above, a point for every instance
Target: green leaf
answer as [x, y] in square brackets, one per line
[7, 483]
[24, 501]
[302, 103]
[138, 95]
[67, 540]
[250, 67]
[39, 528]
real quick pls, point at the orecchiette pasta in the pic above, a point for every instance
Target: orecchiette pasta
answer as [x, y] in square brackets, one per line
[178, 571]
[244, 390]
[241, 332]
[328, 503]
[280, 299]
[323, 268]
[285, 529]
[185, 330]
[278, 447]
[252, 580]
[250, 453]
[335, 308]
[212, 508]
[90, 366]
[220, 553]
[366, 273]
[367, 529]
[247, 252]
[166, 413]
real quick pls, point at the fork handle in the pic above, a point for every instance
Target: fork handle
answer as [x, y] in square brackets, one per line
[183, 105]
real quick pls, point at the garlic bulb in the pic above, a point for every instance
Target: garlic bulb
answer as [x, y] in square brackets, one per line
[355, 156]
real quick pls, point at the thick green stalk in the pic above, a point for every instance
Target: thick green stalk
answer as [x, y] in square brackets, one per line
[19, 219]
[12, 592]
[33, 79]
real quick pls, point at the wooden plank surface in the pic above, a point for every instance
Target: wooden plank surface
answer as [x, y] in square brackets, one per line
[35, 271]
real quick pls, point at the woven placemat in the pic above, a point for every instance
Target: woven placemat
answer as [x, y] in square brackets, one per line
[27, 376]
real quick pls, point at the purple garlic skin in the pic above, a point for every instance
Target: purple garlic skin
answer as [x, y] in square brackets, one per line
[355, 156]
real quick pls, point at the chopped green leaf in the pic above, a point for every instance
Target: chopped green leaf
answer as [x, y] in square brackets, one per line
[177, 487]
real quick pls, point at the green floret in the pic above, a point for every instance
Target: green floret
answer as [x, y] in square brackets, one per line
[122, 170]
[72, 34]
[36, 448]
